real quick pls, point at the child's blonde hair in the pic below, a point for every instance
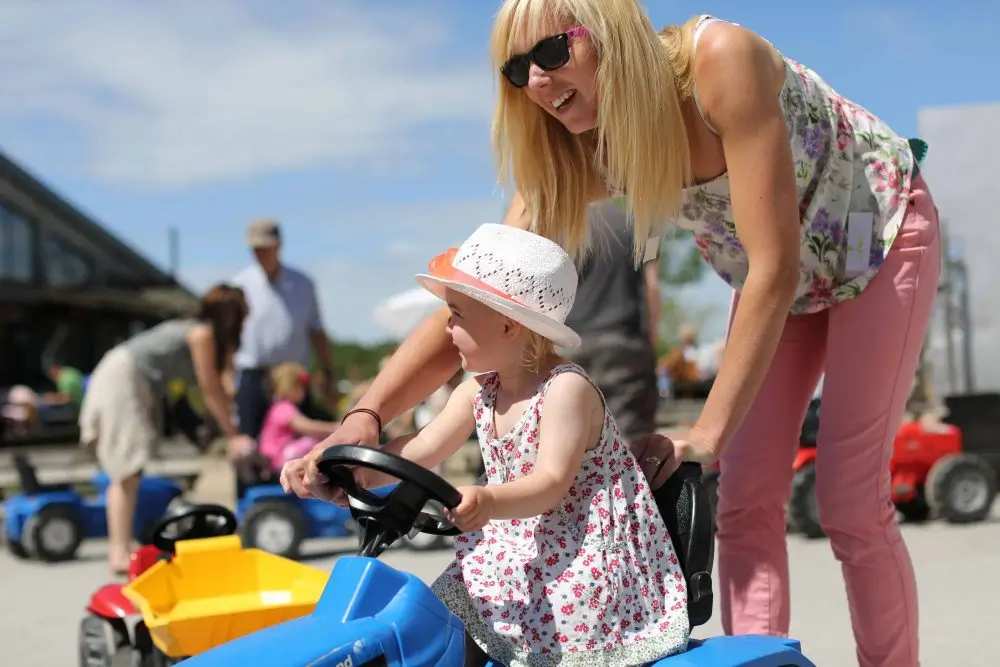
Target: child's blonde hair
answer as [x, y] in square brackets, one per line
[538, 350]
[286, 378]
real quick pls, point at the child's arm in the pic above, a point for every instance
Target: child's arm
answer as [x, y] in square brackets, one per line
[571, 424]
[442, 437]
[313, 428]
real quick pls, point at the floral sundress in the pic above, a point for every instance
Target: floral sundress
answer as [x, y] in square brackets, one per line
[594, 581]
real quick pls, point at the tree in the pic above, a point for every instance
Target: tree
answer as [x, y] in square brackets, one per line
[681, 264]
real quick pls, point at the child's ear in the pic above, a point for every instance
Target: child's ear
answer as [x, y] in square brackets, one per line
[511, 329]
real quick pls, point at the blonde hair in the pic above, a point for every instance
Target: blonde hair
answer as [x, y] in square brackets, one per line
[641, 143]
[286, 378]
[537, 351]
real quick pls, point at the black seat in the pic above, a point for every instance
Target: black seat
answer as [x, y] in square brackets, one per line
[29, 481]
[684, 505]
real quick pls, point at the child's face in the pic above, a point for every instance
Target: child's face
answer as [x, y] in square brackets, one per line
[482, 335]
[297, 393]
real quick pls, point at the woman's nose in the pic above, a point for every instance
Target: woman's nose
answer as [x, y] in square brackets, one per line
[538, 78]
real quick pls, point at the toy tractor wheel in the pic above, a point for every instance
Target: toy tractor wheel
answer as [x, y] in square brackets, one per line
[99, 642]
[916, 510]
[275, 526]
[16, 548]
[146, 654]
[803, 512]
[53, 534]
[425, 542]
[961, 488]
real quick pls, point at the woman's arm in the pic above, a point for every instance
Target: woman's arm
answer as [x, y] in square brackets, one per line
[442, 437]
[202, 346]
[739, 88]
[570, 425]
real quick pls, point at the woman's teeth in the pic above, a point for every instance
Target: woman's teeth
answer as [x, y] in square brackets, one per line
[562, 99]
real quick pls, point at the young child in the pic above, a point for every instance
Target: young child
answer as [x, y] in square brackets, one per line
[564, 558]
[287, 433]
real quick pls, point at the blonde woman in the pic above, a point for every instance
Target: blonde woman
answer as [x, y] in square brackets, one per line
[808, 205]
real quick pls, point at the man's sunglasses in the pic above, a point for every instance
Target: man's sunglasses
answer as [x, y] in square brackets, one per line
[549, 54]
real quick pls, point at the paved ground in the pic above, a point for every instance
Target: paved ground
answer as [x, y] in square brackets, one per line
[958, 574]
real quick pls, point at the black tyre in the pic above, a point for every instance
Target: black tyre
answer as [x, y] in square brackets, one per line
[803, 512]
[146, 654]
[916, 510]
[16, 549]
[53, 534]
[99, 642]
[425, 542]
[961, 488]
[275, 526]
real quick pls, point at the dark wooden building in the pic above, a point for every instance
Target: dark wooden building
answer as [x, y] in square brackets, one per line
[69, 289]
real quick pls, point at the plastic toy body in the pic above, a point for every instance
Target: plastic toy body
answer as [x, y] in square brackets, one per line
[49, 522]
[373, 614]
[192, 591]
[280, 523]
[213, 591]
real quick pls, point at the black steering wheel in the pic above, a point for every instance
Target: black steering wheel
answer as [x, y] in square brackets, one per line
[192, 522]
[416, 504]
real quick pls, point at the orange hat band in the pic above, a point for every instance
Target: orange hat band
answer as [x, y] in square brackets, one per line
[442, 267]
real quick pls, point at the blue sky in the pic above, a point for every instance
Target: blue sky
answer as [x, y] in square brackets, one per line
[363, 126]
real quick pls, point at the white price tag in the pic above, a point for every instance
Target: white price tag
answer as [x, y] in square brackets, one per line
[859, 242]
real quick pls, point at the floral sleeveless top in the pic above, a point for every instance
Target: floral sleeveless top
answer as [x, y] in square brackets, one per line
[846, 161]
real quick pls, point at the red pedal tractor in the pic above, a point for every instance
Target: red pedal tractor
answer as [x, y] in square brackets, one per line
[949, 470]
[931, 475]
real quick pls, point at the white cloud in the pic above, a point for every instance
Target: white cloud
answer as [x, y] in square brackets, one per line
[963, 167]
[185, 92]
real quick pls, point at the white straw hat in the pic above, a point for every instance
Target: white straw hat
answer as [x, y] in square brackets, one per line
[522, 275]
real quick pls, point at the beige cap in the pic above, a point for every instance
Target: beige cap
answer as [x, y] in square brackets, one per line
[264, 233]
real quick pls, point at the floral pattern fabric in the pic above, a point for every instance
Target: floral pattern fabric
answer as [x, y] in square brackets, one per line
[846, 161]
[594, 581]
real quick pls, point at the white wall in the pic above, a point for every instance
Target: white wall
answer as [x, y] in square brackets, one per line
[963, 173]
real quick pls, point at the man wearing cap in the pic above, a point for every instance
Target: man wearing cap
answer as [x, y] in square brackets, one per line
[282, 323]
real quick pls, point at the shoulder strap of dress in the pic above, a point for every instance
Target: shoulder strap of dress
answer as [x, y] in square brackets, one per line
[570, 367]
[703, 22]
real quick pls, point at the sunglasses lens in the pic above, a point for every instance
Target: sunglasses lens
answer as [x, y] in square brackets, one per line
[516, 71]
[552, 53]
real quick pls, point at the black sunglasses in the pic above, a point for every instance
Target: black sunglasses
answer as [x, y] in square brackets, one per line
[549, 54]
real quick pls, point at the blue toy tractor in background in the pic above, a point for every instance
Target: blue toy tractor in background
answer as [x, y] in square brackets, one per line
[50, 521]
[279, 523]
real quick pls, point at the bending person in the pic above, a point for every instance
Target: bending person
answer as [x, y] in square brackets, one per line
[813, 210]
[121, 413]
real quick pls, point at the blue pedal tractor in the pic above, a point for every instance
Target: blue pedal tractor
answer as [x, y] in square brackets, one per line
[273, 521]
[50, 521]
[372, 614]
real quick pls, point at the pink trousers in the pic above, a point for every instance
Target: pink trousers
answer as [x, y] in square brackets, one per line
[868, 348]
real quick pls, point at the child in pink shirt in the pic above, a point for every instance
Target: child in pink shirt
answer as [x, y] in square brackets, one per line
[287, 433]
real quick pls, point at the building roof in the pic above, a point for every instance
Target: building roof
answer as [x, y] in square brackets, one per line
[153, 285]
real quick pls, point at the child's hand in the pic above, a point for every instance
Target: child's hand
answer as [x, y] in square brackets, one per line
[475, 510]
